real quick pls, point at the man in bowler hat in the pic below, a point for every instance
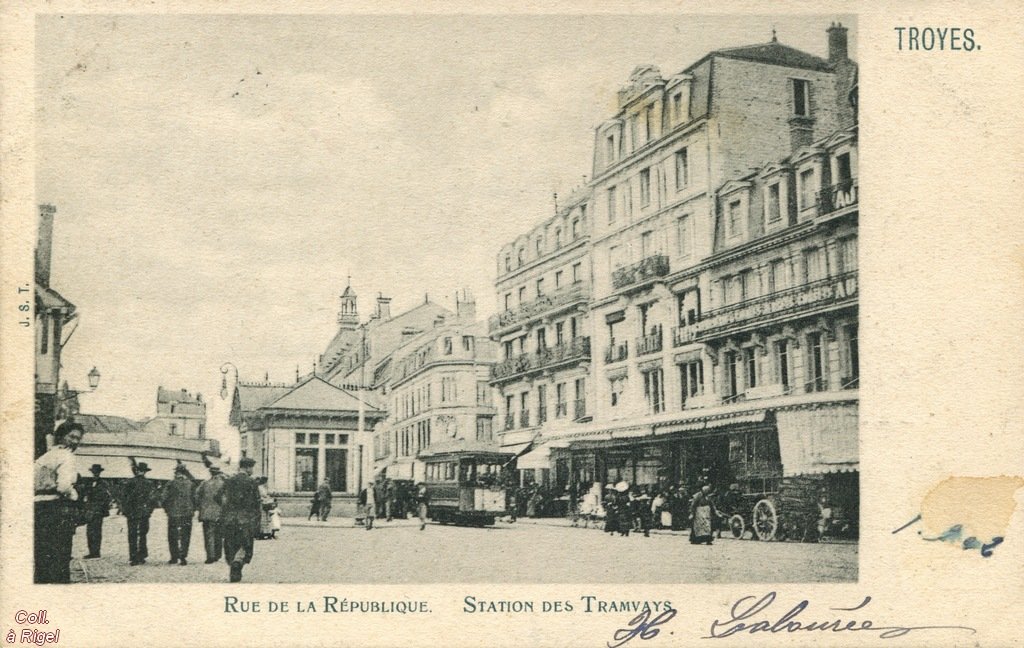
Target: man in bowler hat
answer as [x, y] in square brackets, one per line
[96, 499]
[240, 517]
[139, 495]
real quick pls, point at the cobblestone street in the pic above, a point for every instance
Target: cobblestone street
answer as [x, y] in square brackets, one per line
[528, 551]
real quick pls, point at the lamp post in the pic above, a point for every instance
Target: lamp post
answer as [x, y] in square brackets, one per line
[224, 378]
[63, 409]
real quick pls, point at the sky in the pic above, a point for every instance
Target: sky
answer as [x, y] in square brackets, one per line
[218, 178]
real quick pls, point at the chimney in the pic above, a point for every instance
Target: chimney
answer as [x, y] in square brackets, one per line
[383, 307]
[44, 244]
[836, 43]
[465, 306]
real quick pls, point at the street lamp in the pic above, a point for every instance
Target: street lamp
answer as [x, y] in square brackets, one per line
[224, 379]
[94, 379]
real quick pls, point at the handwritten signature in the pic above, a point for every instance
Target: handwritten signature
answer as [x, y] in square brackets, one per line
[643, 626]
[744, 611]
[954, 535]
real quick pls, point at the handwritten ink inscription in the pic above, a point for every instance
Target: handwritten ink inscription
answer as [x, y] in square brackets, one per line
[641, 626]
[750, 616]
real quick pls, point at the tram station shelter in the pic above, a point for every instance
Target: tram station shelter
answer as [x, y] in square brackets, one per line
[304, 433]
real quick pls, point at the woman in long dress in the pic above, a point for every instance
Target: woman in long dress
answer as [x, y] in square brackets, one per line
[702, 511]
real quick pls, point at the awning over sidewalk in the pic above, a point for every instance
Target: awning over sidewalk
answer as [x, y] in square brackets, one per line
[515, 448]
[697, 424]
[538, 457]
[819, 440]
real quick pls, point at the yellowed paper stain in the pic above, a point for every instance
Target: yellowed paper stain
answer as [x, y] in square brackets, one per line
[981, 505]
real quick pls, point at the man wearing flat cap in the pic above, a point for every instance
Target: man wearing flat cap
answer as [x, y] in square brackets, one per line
[240, 517]
[139, 495]
[96, 499]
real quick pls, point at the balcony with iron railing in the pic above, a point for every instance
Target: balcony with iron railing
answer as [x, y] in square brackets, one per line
[524, 418]
[650, 268]
[815, 296]
[650, 343]
[684, 334]
[542, 414]
[561, 409]
[575, 350]
[565, 296]
[616, 352]
[839, 196]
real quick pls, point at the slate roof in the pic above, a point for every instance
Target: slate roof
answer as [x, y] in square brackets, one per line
[105, 424]
[775, 53]
[318, 394]
[253, 396]
[177, 396]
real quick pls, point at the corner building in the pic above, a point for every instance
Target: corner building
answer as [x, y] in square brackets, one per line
[724, 306]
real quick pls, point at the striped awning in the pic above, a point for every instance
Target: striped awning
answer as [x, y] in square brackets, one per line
[709, 423]
[819, 440]
[632, 433]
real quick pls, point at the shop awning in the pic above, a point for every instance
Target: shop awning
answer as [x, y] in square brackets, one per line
[708, 423]
[631, 433]
[735, 419]
[515, 448]
[821, 440]
[539, 457]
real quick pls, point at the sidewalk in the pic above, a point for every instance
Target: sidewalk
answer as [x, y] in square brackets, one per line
[347, 522]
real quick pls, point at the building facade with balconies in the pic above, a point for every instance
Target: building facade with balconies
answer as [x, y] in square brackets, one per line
[544, 286]
[724, 312]
[436, 389]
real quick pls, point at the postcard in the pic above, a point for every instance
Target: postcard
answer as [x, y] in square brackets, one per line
[377, 324]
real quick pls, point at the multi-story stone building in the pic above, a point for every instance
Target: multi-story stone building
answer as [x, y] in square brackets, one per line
[544, 290]
[723, 313]
[436, 389]
[178, 413]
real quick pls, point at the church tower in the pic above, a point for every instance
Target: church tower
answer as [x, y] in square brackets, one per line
[348, 316]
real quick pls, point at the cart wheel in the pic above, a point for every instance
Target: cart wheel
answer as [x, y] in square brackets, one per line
[737, 525]
[765, 520]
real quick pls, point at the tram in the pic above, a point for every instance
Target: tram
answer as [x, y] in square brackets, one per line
[466, 483]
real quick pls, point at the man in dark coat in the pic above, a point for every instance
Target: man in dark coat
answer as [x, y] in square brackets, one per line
[96, 499]
[180, 506]
[240, 517]
[210, 514]
[137, 507]
[323, 493]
